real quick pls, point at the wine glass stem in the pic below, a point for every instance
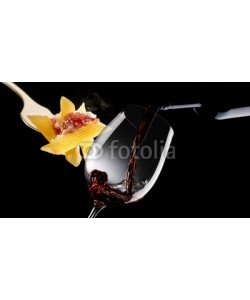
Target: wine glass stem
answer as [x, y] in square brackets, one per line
[95, 211]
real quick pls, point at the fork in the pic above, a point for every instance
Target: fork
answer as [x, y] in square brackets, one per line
[30, 107]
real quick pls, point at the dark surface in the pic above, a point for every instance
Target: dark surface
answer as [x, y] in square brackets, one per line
[211, 166]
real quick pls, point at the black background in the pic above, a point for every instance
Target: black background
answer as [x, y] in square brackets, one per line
[208, 178]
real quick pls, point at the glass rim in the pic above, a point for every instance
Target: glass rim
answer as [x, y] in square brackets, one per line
[156, 114]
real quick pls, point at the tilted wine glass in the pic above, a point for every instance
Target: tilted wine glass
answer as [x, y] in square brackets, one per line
[107, 163]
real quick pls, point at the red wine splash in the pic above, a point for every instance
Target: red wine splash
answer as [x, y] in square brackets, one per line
[103, 193]
[121, 193]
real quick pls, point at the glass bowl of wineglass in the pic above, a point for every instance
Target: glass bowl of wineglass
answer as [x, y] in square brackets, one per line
[126, 159]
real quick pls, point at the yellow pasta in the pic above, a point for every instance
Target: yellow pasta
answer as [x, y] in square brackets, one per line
[44, 125]
[82, 109]
[66, 107]
[70, 140]
[73, 156]
[68, 144]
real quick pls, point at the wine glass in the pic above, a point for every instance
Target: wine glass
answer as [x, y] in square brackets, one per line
[106, 167]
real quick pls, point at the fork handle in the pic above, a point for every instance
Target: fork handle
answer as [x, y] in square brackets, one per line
[21, 93]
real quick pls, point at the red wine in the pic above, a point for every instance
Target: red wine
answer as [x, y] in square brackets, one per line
[121, 193]
[104, 193]
[142, 131]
